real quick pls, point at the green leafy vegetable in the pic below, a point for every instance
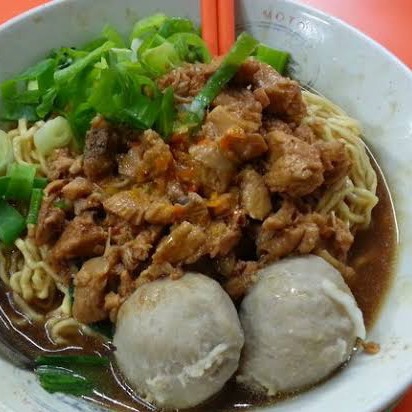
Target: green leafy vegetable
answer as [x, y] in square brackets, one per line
[114, 36]
[191, 47]
[4, 184]
[148, 26]
[66, 75]
[79, 120]
[21, 181]
[161, 59]
[35, 205]
[20, 100]
[71, 360]
[105, 77]
[167, 114]
[40, 182]
[278, 59]
[150, 42]
[12, 109]
[6, 152]
[54, 379]
[12, 223]
[120, 55]
[108, 78]
[244, 46]
[126, 98]
[41, 71]
[46, 104]
[93, 44]
[174, 25]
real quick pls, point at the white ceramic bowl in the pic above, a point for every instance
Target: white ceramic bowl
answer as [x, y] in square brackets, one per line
[343, 64]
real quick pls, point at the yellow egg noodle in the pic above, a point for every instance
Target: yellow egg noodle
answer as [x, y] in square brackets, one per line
[28, 275]
[353, 197]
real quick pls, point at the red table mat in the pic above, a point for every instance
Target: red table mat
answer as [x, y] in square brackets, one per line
[388, 22]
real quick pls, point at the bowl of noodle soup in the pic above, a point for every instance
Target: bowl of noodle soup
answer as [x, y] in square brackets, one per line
[355, 93]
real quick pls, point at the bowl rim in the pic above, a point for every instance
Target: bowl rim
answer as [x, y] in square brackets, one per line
[394, 395]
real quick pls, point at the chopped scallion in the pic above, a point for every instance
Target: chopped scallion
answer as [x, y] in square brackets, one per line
[71, 360]
[40, 182]
[4, 184]
[54, 379]
[68, 74]
[167, 114]
[35, 205]
[12, 223]
[21, 181]
[244, 46]
[278, 59]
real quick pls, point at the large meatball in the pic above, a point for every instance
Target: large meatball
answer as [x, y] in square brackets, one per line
[178, 341]
[300, 322]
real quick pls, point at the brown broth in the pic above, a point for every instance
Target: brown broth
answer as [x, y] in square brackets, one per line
[373, 256]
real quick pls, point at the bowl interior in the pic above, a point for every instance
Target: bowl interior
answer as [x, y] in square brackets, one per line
[341, 63]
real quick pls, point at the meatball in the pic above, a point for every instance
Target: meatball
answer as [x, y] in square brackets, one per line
[300, 322]
[178, 341]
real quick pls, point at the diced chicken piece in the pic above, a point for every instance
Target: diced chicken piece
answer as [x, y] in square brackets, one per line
[130, 205]
[335, 160]
[294, 166]
[185, 244]
[288, 231]
[243, 277]
[193, 209]
[224, 204]
[223, 118]
[215, 170]
[147, 160]
[275, 245]
[102, 144]
[279, 234]
[112, 303]
[77, 188]
[77, 166]
[226, 265]
[271, 124]
[50, 223]
[60, 164]
[121, 231]
[92, 202]
[255, 196]
[221, 238]
[233, 108]
[283, 218]
[175, 192]
[284, 95]
[187, 80]
[89, 292]
[81, 238]
[158, 270]
[161, 212]
[129, 162]
[136, 251]
[238, 146]
[305, 133]
[336, 235]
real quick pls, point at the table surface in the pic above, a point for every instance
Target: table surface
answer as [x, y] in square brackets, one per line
[388, 22]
